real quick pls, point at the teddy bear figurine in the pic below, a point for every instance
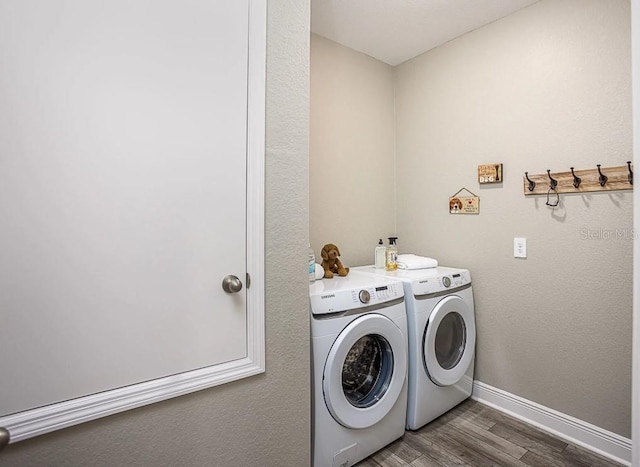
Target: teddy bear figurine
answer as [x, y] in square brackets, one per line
[331, 261]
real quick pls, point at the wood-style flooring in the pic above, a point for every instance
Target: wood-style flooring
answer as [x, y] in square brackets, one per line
[473, 434]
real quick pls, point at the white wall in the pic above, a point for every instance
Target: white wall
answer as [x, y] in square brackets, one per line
[264, 420]
[352, 178]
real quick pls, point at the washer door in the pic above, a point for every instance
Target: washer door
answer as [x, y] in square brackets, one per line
[365, 371]
[449, 341]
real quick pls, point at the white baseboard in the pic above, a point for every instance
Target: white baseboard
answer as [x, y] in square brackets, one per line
[570, 429]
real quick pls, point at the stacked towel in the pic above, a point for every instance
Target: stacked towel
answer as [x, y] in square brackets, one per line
[410, 261]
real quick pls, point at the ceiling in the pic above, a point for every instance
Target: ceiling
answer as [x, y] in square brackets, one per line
[394, 31]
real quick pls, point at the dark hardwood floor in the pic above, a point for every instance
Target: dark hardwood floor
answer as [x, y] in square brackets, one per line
[473, 434]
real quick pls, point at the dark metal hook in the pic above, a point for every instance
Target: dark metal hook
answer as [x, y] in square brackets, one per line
[576, 180]
[603, 178]
[532, 184]
[630, 176]
[553, 183]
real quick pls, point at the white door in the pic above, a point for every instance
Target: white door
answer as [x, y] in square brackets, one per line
[449, 341]
[122, 193]
[365, 371]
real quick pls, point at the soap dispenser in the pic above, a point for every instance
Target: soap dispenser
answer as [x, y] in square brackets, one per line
[391, 263]
[380, 255]
[312, 265]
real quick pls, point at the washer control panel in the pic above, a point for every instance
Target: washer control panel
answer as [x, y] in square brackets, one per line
[331, 296]
[376, 295]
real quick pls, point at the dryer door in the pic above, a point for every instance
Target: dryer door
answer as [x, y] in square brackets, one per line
[449, 341]
[365, 371]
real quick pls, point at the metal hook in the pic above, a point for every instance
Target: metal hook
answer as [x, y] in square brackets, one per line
[630, 176]
[603, 178]
[532, 184]
[553, 183]
[576, 180]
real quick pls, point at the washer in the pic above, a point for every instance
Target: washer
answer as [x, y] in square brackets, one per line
[359, 367]
[442, 338]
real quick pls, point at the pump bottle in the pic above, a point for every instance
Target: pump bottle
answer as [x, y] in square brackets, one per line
[380, 255]
[391, 263]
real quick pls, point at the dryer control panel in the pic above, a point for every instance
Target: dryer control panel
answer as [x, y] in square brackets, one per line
[440, 283]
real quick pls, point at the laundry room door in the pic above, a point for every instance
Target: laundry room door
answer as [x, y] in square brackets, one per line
[123, 193]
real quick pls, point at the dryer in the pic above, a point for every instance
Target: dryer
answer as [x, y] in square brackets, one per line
[442, 338]
[359, 367]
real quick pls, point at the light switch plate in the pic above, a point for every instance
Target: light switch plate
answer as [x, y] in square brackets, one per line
[519, 247]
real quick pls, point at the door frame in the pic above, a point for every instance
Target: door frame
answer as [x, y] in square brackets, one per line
[38, 421]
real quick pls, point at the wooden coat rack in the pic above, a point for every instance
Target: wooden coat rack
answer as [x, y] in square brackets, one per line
[580, 181]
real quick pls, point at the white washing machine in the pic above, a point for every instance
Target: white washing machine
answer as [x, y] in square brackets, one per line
[359, 367]
[442, 338]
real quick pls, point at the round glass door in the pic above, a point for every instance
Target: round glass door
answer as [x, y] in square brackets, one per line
[451, 337]
[449, 341]
[365, 371]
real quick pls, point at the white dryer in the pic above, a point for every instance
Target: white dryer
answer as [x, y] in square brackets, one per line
[359, 367]
[442, 338]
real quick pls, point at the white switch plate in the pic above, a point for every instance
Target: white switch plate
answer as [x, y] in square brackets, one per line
[519, 247]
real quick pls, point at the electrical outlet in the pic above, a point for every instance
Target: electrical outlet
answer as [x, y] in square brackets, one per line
[519, 247]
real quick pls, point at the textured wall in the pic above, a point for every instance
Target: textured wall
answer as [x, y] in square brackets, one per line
[547, 87]
[263, 420]
[635, 48]
[351, 151]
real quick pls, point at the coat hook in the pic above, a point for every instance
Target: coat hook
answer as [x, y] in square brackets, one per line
[630, 176]
[603, 178]
[532, 184]
[576, 180]
[553, 183]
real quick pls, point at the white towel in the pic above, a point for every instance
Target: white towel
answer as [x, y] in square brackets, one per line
[410, 261]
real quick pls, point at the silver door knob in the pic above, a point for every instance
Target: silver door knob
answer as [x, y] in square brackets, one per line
[231, 284]
[5, 437]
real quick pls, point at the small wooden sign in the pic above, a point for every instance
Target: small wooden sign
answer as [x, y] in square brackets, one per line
[490, 173]
[464, 204]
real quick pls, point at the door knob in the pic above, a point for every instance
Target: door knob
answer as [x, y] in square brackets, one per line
[5, 436]
[231, 284]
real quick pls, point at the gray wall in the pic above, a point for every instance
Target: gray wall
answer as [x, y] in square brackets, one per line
[263, 420]
[352, 167]
[635, 383]
[547, 87]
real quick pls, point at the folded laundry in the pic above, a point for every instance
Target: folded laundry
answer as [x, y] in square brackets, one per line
[411, 261]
